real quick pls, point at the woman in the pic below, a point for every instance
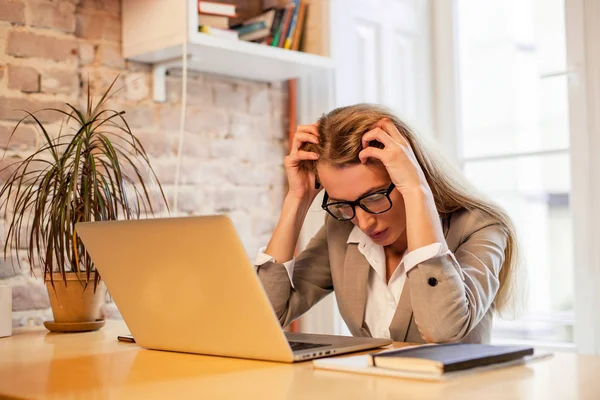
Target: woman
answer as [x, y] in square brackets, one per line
[410, 253]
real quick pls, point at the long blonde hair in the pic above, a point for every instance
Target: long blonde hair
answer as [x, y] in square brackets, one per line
[341, 132]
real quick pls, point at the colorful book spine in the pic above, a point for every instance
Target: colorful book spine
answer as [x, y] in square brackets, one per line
[286, 24]
[245, 29]
[287, 44]
[300, 25]
[279, 28]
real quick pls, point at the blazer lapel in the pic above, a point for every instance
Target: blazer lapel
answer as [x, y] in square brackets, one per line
[356, 276]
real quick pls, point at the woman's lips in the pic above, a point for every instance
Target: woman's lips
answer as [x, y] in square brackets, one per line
[378, 235]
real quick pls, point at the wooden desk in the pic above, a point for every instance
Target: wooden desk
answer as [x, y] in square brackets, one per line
[36, 364]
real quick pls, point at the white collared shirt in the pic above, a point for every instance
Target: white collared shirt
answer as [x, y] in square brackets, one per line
[382, 297]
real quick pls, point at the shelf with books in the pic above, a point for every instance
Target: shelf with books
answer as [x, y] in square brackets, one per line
[149, 37]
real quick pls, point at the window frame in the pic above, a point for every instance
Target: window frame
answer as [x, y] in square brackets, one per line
[583, 71]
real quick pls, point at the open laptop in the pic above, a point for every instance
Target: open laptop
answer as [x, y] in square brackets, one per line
[187, 285]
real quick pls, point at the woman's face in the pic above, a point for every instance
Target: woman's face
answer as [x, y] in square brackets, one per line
[350, 182]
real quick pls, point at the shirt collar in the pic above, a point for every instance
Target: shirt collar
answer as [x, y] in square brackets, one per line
[357, 236]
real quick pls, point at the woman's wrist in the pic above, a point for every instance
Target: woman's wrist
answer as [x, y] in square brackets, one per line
[302, 203]
[417, 192]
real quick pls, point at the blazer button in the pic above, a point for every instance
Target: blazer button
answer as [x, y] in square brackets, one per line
[432, 282]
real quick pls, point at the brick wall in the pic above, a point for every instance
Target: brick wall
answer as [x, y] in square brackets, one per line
[235, 138]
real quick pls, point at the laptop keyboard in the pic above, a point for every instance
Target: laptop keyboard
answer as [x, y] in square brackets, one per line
[296, 346]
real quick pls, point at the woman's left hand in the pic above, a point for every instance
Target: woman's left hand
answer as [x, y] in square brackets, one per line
[397, 156]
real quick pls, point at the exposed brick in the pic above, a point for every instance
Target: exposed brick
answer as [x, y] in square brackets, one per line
[23, 138]
[203, 120]
[263, 226]
[25, 79]
[260, 102]
[87, 52]
[279, 127]
[157, 143]
[255, 198]
[100, 79]
[231, 97]
[112, 29]
[245, 126]
[10, 109]
[110, 55]
[202, 172]
[8, 268]
[165, 170]
[9, 165]
[223, 200]
[137, 116]
[264, 151]
[168, 117]
[97, 25]
[227, 148]
[89, 25]
[138, 86]
[191, 201]
[194, 145]
[255, 176]
[60, 81]
[32, 295]
[198, 92]
[12, 11]
[48, 14]
[27, 44]
[110, 6]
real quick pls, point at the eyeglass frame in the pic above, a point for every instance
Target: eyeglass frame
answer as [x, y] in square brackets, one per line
[356, 202]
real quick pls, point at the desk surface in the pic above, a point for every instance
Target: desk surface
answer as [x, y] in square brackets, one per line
[35, 363]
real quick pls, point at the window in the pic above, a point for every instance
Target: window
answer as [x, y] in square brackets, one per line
[514, 145]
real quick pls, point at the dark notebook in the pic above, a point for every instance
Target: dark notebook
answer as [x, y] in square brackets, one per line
[448, 357]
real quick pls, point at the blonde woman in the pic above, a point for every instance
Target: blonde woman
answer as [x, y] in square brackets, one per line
[410, 253]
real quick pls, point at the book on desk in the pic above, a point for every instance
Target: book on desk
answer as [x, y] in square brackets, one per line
[435, 362]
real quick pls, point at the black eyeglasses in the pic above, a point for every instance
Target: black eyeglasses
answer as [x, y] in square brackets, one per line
[374, 203]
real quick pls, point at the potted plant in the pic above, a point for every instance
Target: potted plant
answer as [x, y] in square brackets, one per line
[95, 169]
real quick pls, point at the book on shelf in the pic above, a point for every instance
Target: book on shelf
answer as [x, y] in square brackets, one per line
[215, 21]
[287, 43]
[279, 40]
[257, 28]
[300, 25]
[217, 32]
[434, 362]
[211, 7]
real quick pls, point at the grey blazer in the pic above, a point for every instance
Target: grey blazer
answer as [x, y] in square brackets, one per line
[445, 299]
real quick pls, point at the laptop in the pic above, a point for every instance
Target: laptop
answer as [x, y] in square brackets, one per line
[187, 285]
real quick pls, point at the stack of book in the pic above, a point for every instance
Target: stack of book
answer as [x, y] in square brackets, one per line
[277, 27]
[213, 19]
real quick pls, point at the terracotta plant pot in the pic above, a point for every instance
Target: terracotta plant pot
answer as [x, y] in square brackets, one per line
[74, 303]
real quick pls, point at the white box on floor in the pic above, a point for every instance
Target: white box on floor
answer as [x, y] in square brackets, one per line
[5, 311]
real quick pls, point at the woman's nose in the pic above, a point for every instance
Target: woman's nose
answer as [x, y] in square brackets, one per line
[363, 219]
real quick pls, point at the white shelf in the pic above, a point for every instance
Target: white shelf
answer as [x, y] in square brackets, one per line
[162, 46]
[240, 59]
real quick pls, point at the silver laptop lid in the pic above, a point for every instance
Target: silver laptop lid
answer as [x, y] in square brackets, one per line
[186, 284]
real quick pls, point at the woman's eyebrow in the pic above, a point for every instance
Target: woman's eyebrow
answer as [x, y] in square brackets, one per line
[376, 189]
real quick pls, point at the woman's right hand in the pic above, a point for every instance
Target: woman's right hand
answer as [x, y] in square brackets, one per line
[302, 184]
